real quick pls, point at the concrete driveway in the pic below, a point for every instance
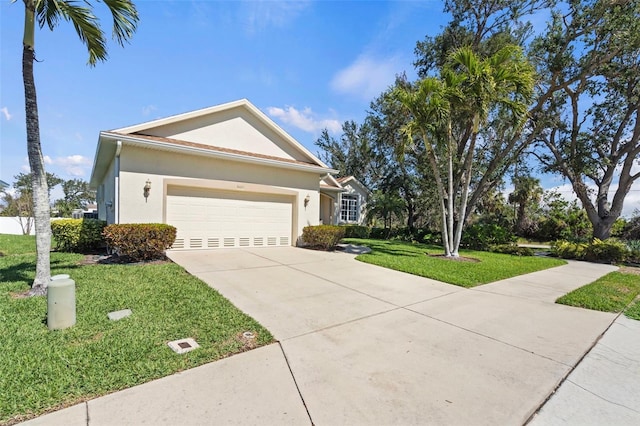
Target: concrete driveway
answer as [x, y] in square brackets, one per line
[368, 345]
[359, 344]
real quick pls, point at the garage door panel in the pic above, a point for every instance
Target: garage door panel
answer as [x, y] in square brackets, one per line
[219, 219]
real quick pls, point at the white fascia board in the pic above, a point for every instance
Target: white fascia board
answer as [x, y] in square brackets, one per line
[223, 107]
[145, 143]
[103, 156]
[179, 117]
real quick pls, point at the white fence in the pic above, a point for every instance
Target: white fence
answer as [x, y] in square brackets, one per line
[15, 225]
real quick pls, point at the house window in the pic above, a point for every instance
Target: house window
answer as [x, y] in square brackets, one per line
[349, 208]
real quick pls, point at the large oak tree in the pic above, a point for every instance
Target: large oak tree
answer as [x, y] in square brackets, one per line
[587, 116]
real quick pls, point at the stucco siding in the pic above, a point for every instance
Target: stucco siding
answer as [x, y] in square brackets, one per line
[106, 195]
[163, 168]
[235, 129]
[362, 202]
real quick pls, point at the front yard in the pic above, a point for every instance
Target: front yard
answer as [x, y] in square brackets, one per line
[42, 370]
[614, 292]
[478, 268]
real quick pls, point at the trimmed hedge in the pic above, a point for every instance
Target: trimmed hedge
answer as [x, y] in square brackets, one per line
[325, 237]
[140, 241]
[511, 249]
[77, 234]
[610, 250]
[356, 231]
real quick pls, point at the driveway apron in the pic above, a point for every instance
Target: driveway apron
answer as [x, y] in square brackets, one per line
[368, 345]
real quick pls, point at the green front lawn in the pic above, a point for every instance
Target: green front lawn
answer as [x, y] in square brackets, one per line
[633, 311]
[415, 259]
[41, 370]
[611, 293]
[17, 244]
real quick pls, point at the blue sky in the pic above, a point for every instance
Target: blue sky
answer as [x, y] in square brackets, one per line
[309, 65]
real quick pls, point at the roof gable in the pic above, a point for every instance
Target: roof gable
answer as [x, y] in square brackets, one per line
[235, 125]
[351, 181]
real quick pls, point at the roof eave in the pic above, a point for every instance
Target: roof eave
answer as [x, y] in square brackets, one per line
[132, 140]
[245, 103]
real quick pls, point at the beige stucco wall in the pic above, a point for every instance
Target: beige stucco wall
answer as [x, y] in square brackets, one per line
[138, 165]
[107, 195]
[327, 205]
[236, 129]
[362, 202]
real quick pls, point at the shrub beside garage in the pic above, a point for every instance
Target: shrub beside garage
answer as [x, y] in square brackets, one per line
[77, 235]
[325, 237]
[140, 241]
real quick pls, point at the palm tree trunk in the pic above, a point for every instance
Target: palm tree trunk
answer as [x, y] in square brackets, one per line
[36, 163]
[452, 250]
[433, 162]
[468, 163]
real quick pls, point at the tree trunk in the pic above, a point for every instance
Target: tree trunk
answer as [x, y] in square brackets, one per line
[410, 215]
[522, 216]
[451, 249]
[602, 228]
[39, 182]
[462, 213]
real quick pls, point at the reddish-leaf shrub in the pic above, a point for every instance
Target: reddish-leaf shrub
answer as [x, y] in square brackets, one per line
[322, 236]
[140, 241]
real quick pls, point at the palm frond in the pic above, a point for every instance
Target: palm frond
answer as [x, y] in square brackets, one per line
[48, 13]
[125, 19]
[87, 25]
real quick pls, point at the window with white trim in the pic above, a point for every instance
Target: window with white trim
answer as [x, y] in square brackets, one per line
[349, 208]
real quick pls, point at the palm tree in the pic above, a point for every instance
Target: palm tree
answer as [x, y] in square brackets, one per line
[385, 205]
[527, 192]
[505, 81]
[429, 102]
[86, 24]
[448, 113]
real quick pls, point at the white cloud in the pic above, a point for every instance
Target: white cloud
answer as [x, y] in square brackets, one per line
[74, 165]
[148, 109]
[631, 201]
[5, 112]
[259, 15]
[367, 76]
[305, 120]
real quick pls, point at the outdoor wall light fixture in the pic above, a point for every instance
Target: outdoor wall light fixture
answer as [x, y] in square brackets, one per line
[306, 200]
[147, 189]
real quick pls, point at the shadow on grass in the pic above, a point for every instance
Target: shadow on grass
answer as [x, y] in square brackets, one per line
[23, 272]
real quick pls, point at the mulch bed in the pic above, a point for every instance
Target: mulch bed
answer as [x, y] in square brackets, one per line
[455, 259]
[111, 259]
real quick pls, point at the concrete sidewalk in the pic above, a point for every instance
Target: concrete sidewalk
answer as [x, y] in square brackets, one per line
[604, 389]
[359, 344]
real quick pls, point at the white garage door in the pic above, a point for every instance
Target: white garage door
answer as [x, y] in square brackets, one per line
[223, 219]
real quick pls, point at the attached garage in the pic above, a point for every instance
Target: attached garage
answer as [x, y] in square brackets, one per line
[207, 219]
[225, 176]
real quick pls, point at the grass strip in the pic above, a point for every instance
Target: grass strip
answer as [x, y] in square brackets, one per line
[422, 260]
[610, 293]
